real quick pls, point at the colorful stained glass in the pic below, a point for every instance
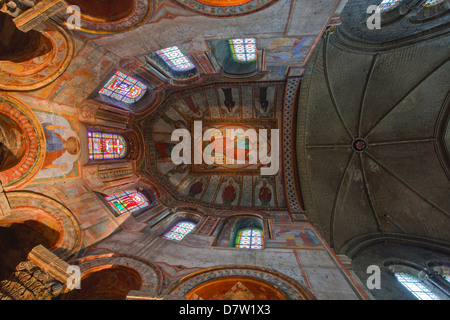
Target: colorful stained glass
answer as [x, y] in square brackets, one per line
[249, 238]
[244, 50]
[415, 286]
[179, 231]
[387, 5]
[104, 146]
[175, 59]
[124, 88]
[430, 3]
[127, 201]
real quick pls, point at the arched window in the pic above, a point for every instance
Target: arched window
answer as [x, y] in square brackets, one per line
[104, 146]
[387, 5]
[127, 202]
[415, 286]
[244, 50]
[175, 59]
[249, 238]
[179, 231]
[430, 3]
[124, 88]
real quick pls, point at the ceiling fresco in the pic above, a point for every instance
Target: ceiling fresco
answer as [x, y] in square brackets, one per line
[226, 183]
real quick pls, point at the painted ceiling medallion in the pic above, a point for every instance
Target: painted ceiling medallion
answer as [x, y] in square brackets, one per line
[359, 145]
[226, 8]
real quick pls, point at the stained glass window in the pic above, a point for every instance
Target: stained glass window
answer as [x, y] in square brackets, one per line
[179, 231]
[387, 5]
[124, 88]
[127, 201]
[430, 3]
[104, 146]
[244, 50]
[415, 286]
[249, 238]
[175, 59]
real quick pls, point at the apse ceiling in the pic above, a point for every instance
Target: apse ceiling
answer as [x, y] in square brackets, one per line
[227, 186]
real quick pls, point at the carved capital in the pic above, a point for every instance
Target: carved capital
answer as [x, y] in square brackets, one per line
[42, 277]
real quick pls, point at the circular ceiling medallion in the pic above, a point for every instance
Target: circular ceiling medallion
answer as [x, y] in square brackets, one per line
[359, 145]
[227, 8]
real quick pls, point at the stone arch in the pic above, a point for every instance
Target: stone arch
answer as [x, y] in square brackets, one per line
[23, 143]
[41, 58]
[108, 283]
[239, 282]
[49, 218]
[142, 275]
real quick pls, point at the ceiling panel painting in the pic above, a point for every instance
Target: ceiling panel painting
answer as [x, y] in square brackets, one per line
[233, 177]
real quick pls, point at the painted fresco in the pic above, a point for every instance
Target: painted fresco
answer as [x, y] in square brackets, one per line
[294, 236]
[62, 147]
[229, 183]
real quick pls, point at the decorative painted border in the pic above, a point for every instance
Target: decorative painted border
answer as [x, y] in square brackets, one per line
[32, 159]
[288, 145]
[225, 11]
[288, 286]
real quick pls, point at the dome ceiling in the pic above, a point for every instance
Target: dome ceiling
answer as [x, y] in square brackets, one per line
[372, 144]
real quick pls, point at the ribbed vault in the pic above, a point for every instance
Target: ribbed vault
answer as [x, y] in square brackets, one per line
[370, 141]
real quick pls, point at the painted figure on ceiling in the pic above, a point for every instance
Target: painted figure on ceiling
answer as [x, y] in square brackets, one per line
[57, 146]
[196, 188]
[229, 103]
[263, 98]
[163, 150]
[265, 194]
[177, 124]
[180, 168]
[191, 105]
[229, 193]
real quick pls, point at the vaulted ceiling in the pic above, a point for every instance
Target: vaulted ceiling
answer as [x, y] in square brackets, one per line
[371, 139]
